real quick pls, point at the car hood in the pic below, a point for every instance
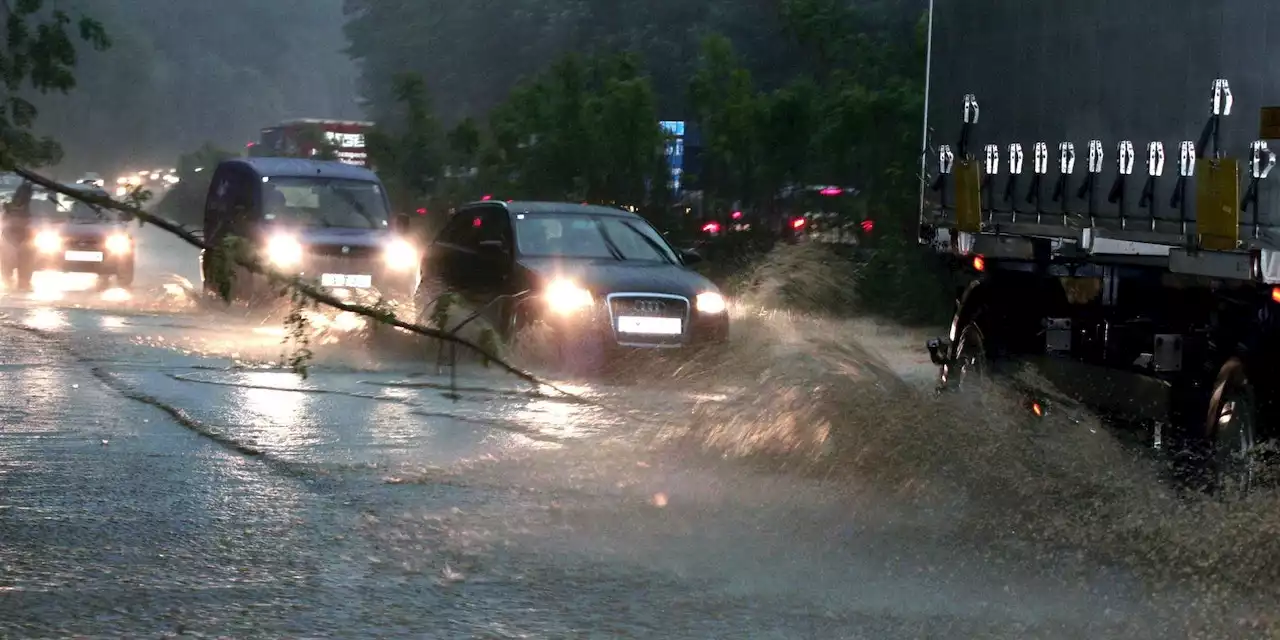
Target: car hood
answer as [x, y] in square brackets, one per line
[603, 277]
[82, 229]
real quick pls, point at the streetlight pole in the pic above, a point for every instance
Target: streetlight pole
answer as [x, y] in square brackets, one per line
[924, 132]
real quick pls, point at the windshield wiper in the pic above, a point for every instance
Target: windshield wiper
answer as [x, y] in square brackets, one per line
[355, 204]
[613, 248]
[649, 241]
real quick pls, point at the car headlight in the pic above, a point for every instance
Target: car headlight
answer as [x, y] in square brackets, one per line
[48, 241]
[284, 251]
[710, 302]
[563, 296]
[401, 255]
[118, 243]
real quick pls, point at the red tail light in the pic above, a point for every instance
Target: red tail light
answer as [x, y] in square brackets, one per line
[868, 225]
[798, 223]
[487, 197]
[831, 191]
[711, 227]
[736, 215]
[979, 264]
[422, 212]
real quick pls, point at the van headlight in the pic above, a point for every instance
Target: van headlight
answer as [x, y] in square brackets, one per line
[710, 302]
[401, 255]
[284, 251]
[48, 241]
[118, 243]
[565, 297]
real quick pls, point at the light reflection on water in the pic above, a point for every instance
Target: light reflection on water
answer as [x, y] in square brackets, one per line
[46, 319]
[280, 421]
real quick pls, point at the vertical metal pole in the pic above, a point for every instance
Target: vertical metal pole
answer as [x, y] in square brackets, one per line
[924, 133]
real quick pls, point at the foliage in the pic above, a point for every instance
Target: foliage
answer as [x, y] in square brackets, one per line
[477, 52]
[406, 146]
[39, 55]
[587, 129]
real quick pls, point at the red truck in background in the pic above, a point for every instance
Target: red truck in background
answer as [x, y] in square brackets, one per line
[299, 138]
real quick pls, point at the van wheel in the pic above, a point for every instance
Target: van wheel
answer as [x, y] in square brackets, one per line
[124, 277]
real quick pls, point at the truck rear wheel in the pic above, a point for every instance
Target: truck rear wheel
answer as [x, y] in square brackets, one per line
[1231, 431]
[969, 363]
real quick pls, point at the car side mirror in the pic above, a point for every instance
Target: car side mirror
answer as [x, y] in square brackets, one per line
[690, 257]
[493, 248]
[400, 223]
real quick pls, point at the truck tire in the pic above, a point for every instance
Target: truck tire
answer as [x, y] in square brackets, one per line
[1230, 431]
[970, 359]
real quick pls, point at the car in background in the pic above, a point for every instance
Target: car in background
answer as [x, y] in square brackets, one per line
[56, 232]
[327, 222]
[592, 272]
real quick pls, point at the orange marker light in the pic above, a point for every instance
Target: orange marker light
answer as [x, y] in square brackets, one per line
[1275, 294]
[1037, 409]
[979, 264]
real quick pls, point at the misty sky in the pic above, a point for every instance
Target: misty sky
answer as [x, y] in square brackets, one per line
[185, 72]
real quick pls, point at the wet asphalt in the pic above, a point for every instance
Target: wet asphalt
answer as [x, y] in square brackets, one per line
[160, 478]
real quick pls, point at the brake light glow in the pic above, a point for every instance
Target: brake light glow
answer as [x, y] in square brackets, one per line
[979, 264]
[486, 198]
[736, 215]
[831, 191]
[798, 223]
[477, 222]
[1275, 294]
[868, 225]
[711, 227]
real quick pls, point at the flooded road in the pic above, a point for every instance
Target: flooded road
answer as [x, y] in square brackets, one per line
[160, 473]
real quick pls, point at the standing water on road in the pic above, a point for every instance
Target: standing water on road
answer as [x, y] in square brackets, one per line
[164, 472]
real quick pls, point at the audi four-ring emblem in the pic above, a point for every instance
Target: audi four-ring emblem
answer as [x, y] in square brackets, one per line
[650, 306]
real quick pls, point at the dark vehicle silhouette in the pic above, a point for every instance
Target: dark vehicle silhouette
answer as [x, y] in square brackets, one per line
[49, 231]
[326, 221]
[592, 272]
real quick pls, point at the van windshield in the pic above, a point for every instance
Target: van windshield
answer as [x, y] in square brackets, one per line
[59, 207]
[325, 202]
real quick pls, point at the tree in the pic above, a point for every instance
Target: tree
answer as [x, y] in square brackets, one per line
[406, 145]
[586, 129]
[39, 56]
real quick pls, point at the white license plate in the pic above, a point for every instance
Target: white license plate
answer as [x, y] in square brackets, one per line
[346, 280]
[650, 326]
[83, 256]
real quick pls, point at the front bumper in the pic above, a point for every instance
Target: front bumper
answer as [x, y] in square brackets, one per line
[370, 274]
[618, 325]
[78, 260]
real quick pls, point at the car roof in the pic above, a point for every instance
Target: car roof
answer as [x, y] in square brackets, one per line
[75, 186]
[537, 207]
[303, 168]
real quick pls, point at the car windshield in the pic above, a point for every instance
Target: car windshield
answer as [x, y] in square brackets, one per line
[324, 202]
[62, 207]
[588, 236]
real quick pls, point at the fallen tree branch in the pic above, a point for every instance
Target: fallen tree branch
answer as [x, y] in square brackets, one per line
[294, 282]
